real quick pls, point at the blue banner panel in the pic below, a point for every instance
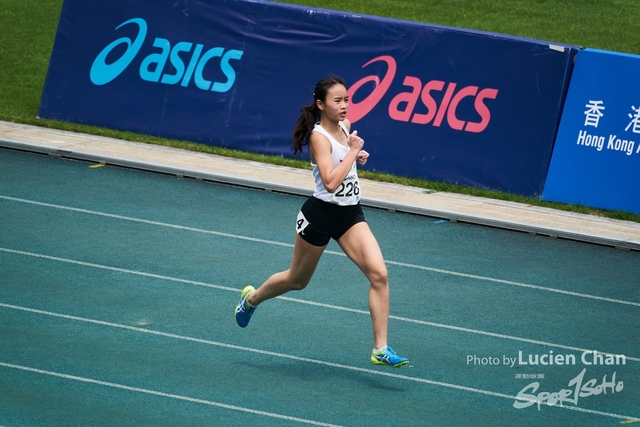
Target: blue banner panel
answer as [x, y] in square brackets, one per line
[431, 102]
[596, 159]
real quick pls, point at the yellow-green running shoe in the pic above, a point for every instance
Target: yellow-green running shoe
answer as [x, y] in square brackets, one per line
[386, 356]
[244, 309]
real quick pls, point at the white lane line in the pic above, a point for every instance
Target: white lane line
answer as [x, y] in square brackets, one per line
[297, 358]
[289, 245]
[522, 285]
[301, 301]
[456, 328]
[162, 394]
[117, 269]
[145, 221]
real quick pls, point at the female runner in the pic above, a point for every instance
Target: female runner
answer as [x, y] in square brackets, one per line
[332, 212]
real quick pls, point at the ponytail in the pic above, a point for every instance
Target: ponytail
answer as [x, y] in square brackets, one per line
[304, 126]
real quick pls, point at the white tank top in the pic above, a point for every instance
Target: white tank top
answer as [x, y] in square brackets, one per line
[348, 193]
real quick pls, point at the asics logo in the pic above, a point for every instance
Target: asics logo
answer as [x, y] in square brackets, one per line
[154, 68]
[439, 106]
[102, 73]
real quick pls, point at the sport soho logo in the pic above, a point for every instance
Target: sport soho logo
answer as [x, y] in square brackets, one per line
[403, 104]
[153, 66]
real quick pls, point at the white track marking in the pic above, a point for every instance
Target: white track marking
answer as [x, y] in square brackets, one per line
[268, 353]
[117, 269]
[301, 301]
[289, 245]
[162, 394]
[146, 221]
[512, 283]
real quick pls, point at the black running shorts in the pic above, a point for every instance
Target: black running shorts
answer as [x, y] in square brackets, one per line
[318, 221]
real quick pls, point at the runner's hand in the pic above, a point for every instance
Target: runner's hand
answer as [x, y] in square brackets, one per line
[355, 142]
[362, 157]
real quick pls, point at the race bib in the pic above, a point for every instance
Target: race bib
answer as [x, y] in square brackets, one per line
[348, 193]
[301, 223]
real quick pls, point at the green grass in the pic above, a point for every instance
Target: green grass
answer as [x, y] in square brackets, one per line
[28, 28]
[602, 24]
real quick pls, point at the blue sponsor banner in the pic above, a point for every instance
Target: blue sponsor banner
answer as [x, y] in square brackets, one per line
[431, 102]
[596, 159]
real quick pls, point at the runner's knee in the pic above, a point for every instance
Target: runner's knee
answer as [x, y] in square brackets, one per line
[379, 277]
[298, 285]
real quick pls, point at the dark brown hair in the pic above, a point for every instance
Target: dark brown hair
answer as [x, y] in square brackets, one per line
[311, 113]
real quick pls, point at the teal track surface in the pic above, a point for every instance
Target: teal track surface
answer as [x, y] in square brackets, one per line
[118, 286]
